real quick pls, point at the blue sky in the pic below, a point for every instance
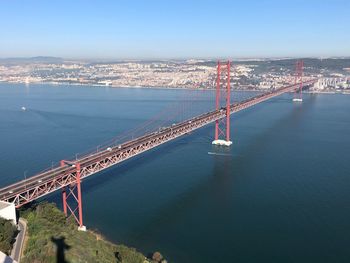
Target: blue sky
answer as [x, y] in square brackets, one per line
[174, 29]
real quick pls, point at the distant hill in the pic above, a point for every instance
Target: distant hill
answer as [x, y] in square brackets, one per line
[39, 59]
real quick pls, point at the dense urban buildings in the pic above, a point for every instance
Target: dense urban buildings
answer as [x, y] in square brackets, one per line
[333, 74]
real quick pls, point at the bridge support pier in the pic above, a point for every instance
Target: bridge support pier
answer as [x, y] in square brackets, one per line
[64, 200]
[298, 94]
[73, 197]
[222, 127]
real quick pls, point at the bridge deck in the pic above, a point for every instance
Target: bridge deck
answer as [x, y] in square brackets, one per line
[47, 182]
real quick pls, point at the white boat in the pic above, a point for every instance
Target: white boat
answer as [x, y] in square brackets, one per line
[23, 108]
[297, 100]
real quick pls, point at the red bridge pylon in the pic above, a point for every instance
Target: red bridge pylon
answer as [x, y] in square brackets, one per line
[299, 73]
[223, 90]
[71, 195]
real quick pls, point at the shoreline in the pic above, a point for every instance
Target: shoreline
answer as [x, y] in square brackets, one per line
[161, 88]
[115, 87]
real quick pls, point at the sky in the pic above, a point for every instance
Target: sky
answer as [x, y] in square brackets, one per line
[170, 29]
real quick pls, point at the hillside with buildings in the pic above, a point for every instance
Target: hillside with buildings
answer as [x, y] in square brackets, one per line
[333, 74]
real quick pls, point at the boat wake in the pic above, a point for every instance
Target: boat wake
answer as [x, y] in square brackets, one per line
[220, 154]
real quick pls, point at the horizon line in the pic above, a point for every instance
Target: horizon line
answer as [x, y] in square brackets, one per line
[177, 59]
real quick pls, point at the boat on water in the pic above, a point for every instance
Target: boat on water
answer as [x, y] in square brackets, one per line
[23, 108]
[297, 100]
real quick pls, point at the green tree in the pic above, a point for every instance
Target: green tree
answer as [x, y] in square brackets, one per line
[8, 233]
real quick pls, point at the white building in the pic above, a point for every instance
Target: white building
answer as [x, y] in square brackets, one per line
[8, 211]
[6, 259]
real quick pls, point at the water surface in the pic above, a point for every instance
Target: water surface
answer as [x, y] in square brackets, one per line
[279, 194]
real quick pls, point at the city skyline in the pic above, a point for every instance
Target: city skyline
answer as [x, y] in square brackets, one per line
[181, 30]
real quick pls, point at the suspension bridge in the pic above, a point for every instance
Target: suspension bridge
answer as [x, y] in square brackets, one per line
[68, 176]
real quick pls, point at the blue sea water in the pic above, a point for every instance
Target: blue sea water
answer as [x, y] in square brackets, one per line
[280, 193]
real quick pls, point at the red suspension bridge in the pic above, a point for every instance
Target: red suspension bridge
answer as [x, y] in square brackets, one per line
[68, 176]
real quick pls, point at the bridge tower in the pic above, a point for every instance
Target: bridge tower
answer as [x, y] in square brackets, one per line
[299, 73]
[223, 90]
[71, 194]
